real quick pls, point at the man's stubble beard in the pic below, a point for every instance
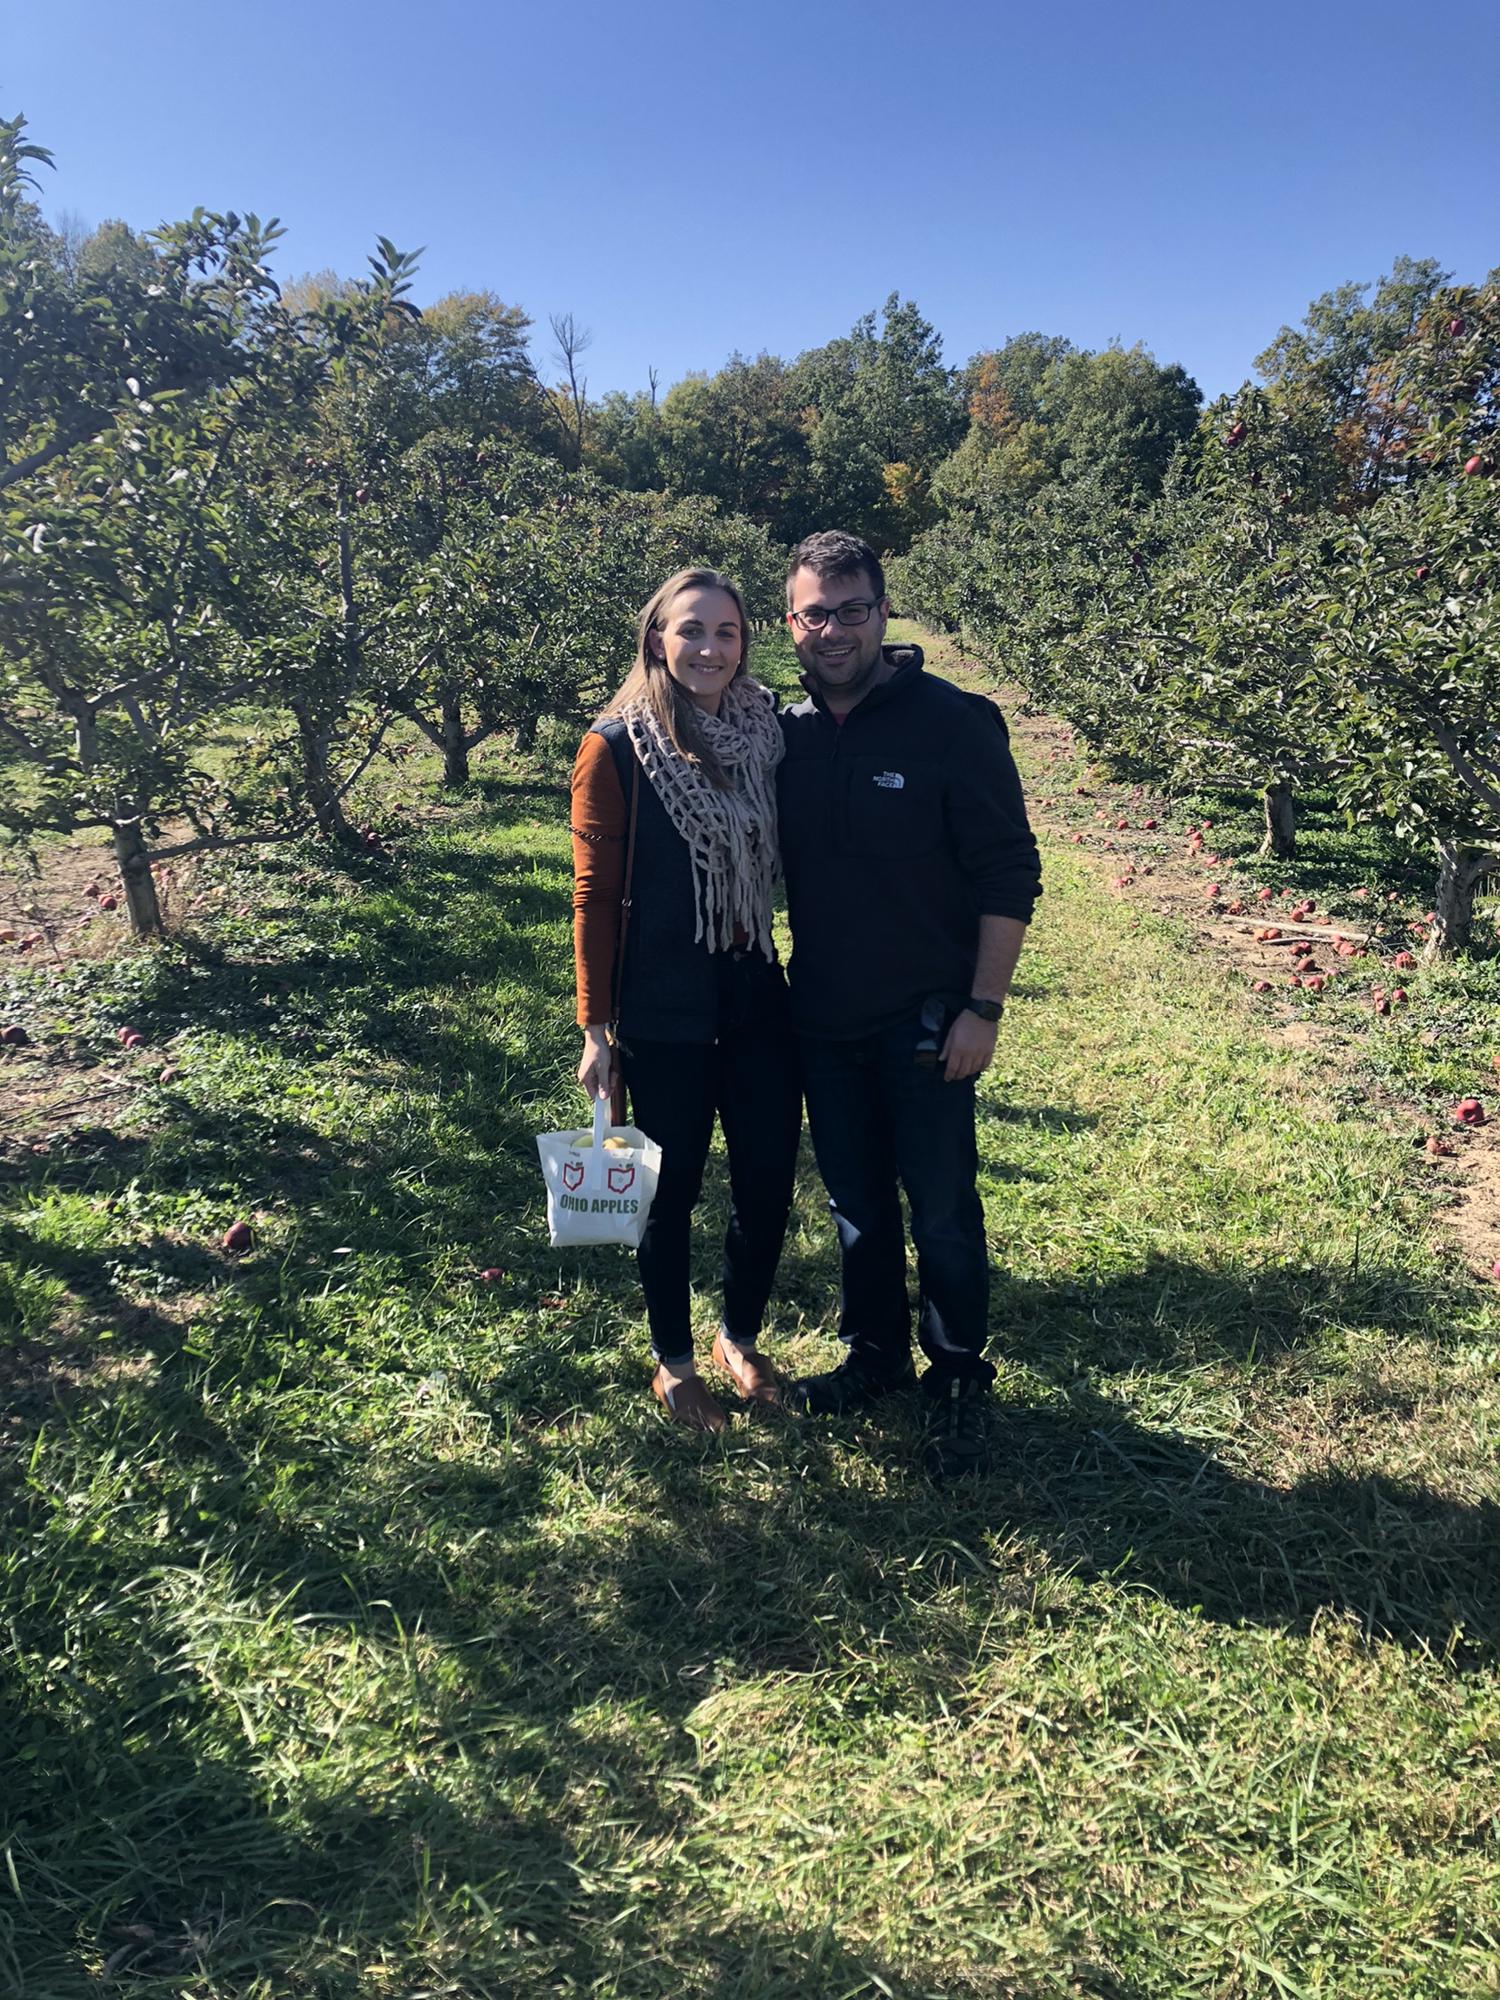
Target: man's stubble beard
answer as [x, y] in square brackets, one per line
[855, 685]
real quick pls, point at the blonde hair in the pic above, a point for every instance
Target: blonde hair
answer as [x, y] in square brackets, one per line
[650, 683]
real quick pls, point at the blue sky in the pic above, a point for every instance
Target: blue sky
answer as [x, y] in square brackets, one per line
[689, 181]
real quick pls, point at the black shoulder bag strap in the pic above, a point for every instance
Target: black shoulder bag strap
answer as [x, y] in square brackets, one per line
[617, 1075]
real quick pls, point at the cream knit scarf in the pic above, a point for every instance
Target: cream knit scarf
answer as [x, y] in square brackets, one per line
[731, 833]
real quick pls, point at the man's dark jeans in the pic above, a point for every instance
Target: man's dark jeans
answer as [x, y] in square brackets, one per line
[750, 1078]
[877, 1116]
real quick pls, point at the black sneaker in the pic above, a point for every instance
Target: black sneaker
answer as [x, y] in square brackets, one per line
[957, 1426]
[855, 1384]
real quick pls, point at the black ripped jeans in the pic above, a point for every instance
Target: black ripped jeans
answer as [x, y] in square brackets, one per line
[750, 1078]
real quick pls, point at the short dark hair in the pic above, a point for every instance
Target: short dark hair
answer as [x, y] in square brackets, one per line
[834, 554]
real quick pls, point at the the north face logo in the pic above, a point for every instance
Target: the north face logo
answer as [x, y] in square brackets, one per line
[890, 781]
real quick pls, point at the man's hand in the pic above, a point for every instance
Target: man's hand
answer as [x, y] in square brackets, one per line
[968, 1048]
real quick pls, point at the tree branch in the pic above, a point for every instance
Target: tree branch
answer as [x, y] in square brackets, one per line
[63, 440]
[1467, 775]
[207, 842]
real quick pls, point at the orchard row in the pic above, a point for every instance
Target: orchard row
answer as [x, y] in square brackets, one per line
[1312, 601]
[240, 540]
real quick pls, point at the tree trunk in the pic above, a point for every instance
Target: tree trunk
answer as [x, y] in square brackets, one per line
[136, 879]
[1460, 870]
[1281, 821]
[525, 733]
[455, 743]
[317, 780]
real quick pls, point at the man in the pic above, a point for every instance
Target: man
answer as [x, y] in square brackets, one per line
[911, 875]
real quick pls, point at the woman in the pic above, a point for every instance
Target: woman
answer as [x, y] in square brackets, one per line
[676, 781]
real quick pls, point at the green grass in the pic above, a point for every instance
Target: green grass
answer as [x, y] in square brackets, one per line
[367, 1633]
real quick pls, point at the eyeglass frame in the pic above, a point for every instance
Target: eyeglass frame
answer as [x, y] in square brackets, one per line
[836, 612]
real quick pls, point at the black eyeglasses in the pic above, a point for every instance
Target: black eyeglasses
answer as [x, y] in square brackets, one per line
[855, 612]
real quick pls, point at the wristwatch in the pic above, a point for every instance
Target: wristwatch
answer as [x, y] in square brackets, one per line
[987, 1010]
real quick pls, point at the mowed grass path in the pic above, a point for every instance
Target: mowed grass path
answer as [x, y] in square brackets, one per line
[366, 1631]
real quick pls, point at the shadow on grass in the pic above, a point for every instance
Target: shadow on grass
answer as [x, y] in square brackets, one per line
[526, 1714]
[533, 1583]
[1168, 1312]
[237, 1827]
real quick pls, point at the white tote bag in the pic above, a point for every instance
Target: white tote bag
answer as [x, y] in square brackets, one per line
[599, 1184]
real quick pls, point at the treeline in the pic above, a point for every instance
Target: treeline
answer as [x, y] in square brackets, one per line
[244, 531]
[1308, 602]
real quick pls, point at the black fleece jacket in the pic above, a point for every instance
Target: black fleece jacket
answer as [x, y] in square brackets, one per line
[900, 828]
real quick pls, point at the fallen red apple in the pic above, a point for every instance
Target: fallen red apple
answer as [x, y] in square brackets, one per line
[133, 1042]
[491, 1275]
[1265, 895]
[1315, 984]
[123, 1035]
[15, 1036]
[238, 1236]
[1473, 465]
[1295, 980]
[1213, 889]
[1399, 996]
[169, 1074]
[1423, 572]
[1405, 960]
[109, 902]
[1122, 826]
[1438, 1149]
[1150, 826]
[1469, 1111]
[1260, 986]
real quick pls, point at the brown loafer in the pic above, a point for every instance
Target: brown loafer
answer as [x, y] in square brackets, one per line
[690, 1404]
[754, 1377]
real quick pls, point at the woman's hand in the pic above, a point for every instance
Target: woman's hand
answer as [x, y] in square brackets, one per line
[596, 1070]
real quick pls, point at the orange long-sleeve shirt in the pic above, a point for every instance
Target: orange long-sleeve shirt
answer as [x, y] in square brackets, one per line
[600, 823]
